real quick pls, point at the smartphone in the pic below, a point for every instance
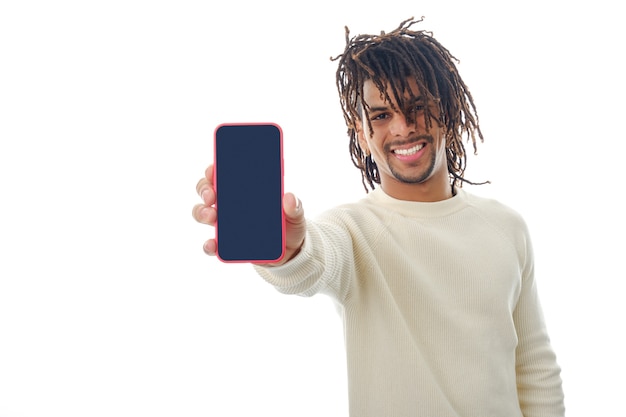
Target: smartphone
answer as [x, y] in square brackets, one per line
[248, 180]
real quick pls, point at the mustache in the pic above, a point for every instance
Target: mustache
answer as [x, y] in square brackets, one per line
[413, 139]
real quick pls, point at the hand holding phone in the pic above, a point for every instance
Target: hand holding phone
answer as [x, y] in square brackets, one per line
[247, 166]
[206, 213]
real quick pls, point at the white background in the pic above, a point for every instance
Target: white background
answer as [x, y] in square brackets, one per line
[108, 306]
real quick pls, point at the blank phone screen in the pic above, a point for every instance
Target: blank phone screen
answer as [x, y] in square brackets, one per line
[249, 190]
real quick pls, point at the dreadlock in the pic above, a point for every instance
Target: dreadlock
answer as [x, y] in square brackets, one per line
[392, 59]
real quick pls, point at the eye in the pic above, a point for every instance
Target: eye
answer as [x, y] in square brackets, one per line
[380, 116]
[418, 108]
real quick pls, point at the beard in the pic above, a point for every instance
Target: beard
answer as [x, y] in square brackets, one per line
[426, 173]
[415, 179]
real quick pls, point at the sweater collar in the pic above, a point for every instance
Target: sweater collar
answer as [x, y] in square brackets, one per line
[419, 209]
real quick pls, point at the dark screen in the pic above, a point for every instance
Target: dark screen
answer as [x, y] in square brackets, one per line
[248, 175]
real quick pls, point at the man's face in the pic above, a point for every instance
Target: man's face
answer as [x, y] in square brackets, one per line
[411, 160]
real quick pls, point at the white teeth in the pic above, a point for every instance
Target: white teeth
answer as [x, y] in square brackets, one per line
[409, 151]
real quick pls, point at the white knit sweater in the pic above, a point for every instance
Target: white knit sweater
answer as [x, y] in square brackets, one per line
[439, 304]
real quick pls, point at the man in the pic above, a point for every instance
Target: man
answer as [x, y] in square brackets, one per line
[436, 285]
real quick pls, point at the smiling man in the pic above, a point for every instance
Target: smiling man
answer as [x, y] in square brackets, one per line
[436, 286]
[410, 156]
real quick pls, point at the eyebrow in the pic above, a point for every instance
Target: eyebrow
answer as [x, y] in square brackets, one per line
[379, 108]
[387, 108]
[418, 99]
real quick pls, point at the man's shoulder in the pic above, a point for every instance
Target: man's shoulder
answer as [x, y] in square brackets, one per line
[490, 205]
[496, 212]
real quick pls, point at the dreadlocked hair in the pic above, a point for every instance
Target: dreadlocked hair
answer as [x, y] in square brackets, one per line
[393, 59]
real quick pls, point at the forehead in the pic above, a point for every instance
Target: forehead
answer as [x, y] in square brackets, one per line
[373, 96]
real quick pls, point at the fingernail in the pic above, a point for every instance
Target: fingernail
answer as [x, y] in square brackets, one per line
[205, 195]
[205, 248]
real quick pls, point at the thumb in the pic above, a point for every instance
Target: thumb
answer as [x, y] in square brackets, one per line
[295, 226]
[293, 209]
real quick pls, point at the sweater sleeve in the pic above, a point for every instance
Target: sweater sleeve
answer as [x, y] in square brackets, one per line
[325, 264]
[538, 374]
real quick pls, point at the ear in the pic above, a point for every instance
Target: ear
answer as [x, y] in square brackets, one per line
[361, 137]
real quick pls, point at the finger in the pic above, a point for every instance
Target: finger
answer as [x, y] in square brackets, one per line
[208, 174]
[210, 247]
[203, 214]
[205, 190]
[202, 185]
[197, 212]
[206, 181]
[208, 196]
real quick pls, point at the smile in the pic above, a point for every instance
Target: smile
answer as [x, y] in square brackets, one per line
[410, 151]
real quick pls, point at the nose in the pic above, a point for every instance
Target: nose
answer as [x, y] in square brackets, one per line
[400, 126]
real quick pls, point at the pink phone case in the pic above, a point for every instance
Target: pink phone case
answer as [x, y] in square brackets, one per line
[251, 208]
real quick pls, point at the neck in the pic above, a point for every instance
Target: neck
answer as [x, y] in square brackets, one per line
[427, 192]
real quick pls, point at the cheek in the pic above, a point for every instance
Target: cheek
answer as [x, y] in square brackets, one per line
[440, 144]
[363, 138]
[443, 146]
[377, 148]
